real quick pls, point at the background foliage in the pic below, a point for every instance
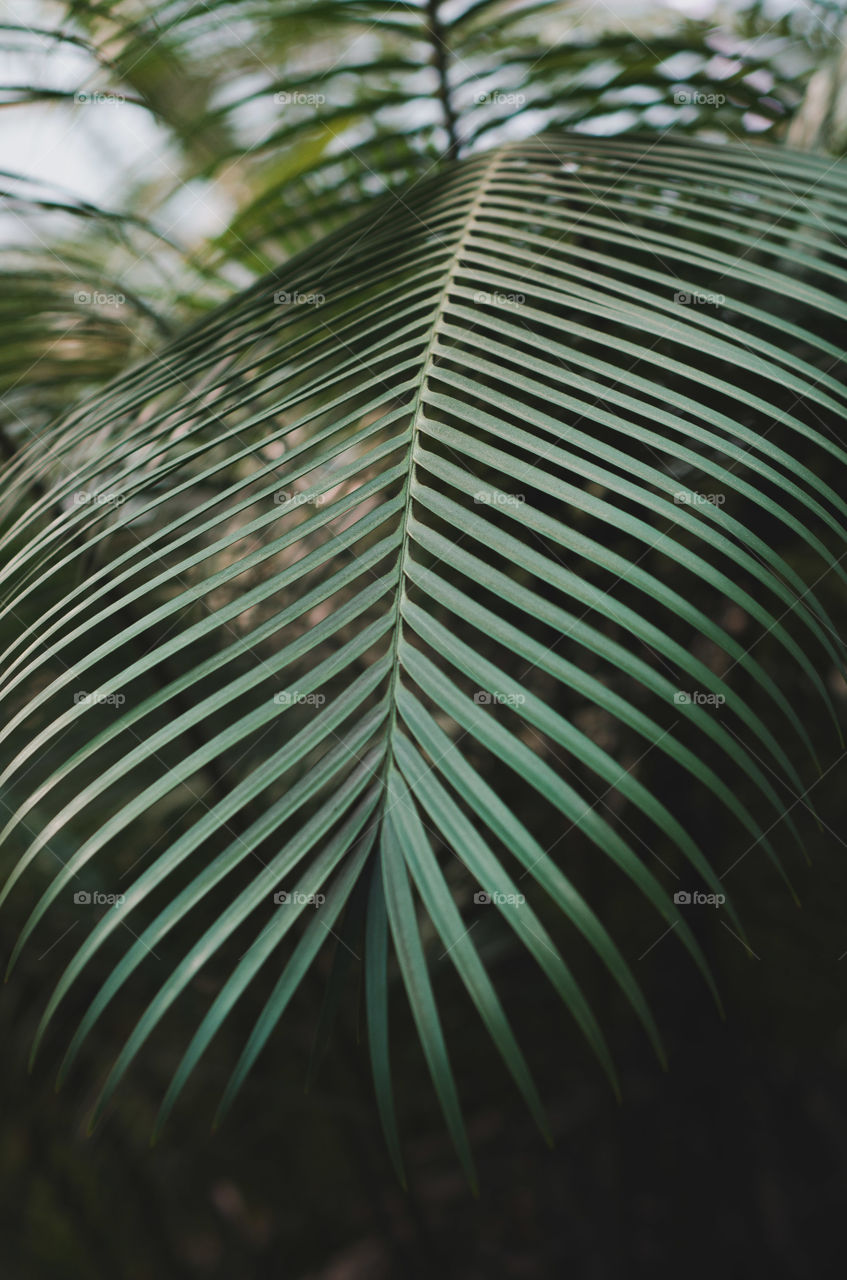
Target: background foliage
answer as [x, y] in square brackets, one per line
[290, 170]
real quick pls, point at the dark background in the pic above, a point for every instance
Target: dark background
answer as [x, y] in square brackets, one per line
[731, 1163]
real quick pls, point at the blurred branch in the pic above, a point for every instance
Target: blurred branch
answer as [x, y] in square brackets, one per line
[440, 58]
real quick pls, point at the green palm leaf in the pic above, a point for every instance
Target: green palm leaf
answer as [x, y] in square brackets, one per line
[326, 582]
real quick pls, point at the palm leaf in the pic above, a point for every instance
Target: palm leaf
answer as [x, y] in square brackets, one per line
[353, 552]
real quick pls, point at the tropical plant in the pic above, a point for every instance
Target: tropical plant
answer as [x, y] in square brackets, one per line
[287, 119]
[355, 613]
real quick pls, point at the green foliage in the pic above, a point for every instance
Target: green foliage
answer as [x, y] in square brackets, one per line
[376, 587]
[290, 118]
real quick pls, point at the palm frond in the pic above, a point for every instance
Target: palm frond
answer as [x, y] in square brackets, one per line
[330, 581]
